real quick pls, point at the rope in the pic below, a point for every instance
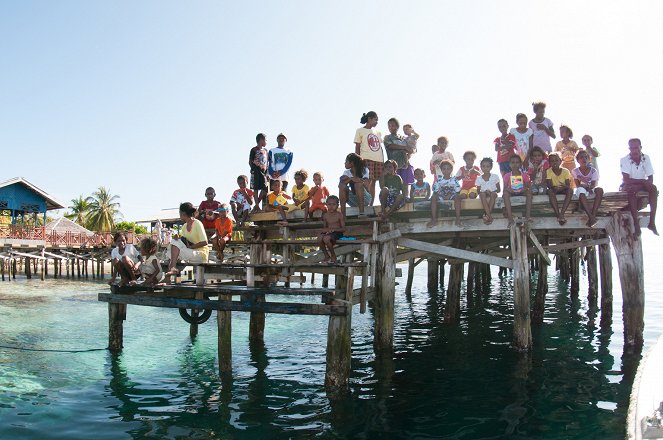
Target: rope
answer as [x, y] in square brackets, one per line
[7, 347]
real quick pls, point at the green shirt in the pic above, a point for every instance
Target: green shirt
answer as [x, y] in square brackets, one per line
[393, 183]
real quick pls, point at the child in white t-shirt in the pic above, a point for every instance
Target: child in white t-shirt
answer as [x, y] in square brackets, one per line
[488, 185]
[151, 269]
[542, 127]
[586, 178]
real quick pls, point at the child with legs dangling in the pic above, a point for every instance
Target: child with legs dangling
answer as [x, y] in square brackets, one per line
[150, 269]
[333, 227]
[586, 178]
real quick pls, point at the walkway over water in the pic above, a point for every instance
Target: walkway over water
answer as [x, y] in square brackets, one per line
[367, 271]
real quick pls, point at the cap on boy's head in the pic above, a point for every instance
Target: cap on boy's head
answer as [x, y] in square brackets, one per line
[281, 135]
[221, 209]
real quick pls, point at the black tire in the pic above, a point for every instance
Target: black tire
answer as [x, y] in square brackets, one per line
[202, 318]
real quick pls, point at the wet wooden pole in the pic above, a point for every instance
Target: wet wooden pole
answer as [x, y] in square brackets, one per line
[224, 326]
[592, 276]
[452, 304]
[384, 296]
[257, 319]
[433, 274]
[522, 331]
[628, 249]
[339, 341]
[200, 282]
[410, 276]
[541, 288]
[116, 316]
[605, 268]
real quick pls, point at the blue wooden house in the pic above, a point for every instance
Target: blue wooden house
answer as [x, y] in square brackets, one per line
[20, 199]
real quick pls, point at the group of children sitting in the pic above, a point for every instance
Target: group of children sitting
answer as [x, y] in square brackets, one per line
[524, 155]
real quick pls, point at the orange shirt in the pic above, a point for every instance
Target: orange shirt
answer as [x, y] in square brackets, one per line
[224, 227]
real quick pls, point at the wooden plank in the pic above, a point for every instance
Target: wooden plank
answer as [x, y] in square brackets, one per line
[391, 235]
[539, 248]
[215, 289]
[447, 251]
[235, 306]
[577, 244]
[404, 256]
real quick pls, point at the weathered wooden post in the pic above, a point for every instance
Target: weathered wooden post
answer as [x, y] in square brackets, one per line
[257, 319]
[592, 276]
[410, 276]
[384, 296]
[339, 341]
[541, 288]
[441, 263]
[116, 315]
[224, 327]
[452, 305]
[28, 269]
[469, 285]
[433, 272]
[605, 266]
[574, 262]
[522, 332]
[628, 249]
[200, 282]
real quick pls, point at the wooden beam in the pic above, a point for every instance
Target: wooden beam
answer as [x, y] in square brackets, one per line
[577, 244]
[539, 248]
[404, 256]
[391, 235]
[447, 251]
[235, 306]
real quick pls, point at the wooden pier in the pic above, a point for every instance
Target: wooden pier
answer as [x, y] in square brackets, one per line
[366, 272]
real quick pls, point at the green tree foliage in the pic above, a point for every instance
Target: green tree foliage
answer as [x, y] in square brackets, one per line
[130, 226]
[103, 211]
[79, 210]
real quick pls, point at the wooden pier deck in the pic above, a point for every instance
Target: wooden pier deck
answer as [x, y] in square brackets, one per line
[273, 254]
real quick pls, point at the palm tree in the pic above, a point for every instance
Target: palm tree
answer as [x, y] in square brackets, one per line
[103, 210]
[80, 208]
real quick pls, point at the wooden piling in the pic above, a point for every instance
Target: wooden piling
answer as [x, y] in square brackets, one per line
[522, 332]
[452, 305]
[441, 263]
[28, 268]
[541, 288]
[339, 341]
[115, 327]
[257, 319]
[574, 273]
[200, 281]
[78, 267]
[325, 280]
[384, 296]
[592, 276]
[628, 249]
[433, 274]
[605, 268]
[410, 276]
[224, 326]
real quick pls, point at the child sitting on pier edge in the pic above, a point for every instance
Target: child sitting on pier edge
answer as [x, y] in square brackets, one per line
[333, 223]
[279, 161]
[223, 227]
[392, 194]
[354, 184]
[206, 211]
[505, 146]
[300, 192]
[445, 188]
[420, 190]
[258, 162]
[638, 175]
[318, 195]
[517, 184]
[542, 127]
[125, 259]
[467, 175]
[538, 166]
[586, 178]
[558, 180]
[277, 200]
[488, 185]
[241, 201]
[151, 269]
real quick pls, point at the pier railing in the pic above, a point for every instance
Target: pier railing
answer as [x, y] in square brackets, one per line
[67, 239]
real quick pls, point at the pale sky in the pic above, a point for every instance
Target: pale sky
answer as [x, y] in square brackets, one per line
[159, 99]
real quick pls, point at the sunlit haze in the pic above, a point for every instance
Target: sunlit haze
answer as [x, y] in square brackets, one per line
[157, 100]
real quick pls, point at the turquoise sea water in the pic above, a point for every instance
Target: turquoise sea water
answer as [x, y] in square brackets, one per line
[452, 382]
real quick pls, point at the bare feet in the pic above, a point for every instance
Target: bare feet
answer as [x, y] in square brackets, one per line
[485, 219]
[489, 220]
[282, 223]
[652, 227]
[591, 222]
[458, 223]
[431, 223]
[637, 231]
[561, 220]
[220, 256]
